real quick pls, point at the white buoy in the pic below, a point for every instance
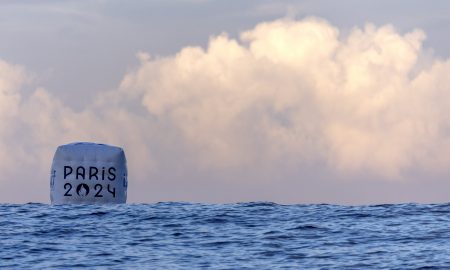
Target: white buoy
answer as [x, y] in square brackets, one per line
[88, 173]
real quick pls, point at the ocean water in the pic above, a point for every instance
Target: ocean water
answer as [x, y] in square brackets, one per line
[224, 236]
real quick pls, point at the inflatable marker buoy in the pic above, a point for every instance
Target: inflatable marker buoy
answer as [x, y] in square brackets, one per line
[88, 173]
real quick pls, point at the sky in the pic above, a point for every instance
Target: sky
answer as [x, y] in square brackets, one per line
[343, 102]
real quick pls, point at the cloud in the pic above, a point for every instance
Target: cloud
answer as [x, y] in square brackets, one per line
[299, 91]
[286, 92]
[11, 79]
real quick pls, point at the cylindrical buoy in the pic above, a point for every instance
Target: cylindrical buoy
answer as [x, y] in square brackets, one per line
[88, 173]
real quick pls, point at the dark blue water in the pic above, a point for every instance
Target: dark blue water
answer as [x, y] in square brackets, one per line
[230, 236]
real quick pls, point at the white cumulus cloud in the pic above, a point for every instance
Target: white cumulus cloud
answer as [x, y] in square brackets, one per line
[300, 91]
[286, 91]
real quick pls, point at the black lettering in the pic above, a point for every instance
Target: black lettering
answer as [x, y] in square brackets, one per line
[112, 175]
[103, 173]
[113, 192]
[52, 180]
[80, 172]
[93, 173]
[67, 186]
[99, 187]
[67, 171]
[82, 190]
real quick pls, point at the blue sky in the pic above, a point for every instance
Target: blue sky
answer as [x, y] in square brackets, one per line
[94, 42]
[123, 73]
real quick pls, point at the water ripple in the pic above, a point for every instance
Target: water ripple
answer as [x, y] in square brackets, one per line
[258, 235]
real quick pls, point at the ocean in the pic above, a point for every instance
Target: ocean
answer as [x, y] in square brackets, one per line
[257, 235]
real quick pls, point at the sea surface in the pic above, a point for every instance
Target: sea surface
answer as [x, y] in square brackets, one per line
[256, 235]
